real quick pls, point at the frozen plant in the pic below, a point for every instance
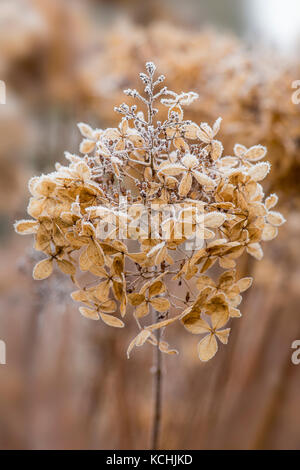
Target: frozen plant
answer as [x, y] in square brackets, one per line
[89, 215]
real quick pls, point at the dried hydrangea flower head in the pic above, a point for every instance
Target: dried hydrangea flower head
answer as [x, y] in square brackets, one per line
[146, 210]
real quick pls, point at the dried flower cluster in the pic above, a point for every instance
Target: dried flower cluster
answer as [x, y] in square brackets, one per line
[204, 207]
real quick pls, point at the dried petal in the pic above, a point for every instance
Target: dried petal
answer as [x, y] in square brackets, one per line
[255, 250]
[223, 335]
[244, 284]
[203, 179]
[255, 153]
[26, 227]
[160, 304]
[271, 201]
[86, 130]
[89, 313]
[43, 269]
[87, 146]
[259, 171]
[66, 267]
[207, 348]
[275, 218]
[136, 299]
[111, 320]
[269, 232]
[185, 184]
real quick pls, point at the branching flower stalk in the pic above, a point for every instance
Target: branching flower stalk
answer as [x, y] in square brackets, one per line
[146, 211]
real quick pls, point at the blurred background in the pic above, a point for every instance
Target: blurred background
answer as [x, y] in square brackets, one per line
[67, 382]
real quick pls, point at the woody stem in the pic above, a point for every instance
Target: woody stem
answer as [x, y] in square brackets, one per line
[157, 391]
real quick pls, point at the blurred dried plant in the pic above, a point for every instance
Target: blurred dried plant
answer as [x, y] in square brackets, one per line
[22, 32]
[17, 136]
[251, 89]
[40, 43]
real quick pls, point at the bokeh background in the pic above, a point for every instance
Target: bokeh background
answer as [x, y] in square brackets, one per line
[67, 383]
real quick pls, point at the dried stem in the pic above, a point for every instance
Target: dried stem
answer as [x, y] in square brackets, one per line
[157, 391]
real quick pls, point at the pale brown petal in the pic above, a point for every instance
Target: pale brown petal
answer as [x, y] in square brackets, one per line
[89, 313]
[84, 261]
[219, 319]
[86, 130]
[80, 296]
[139, 340]
[255, 153]
[216, 126]
[103, 290]
[163, 323]
[164, 348]
[108, 306]
[156, 288]
[275, 218]
[234, 312]
[26, 227]
[216, 149]
[226, 280]
[95, 253]
[214, 219]
[191, 131]
[181, 144]
[223, 335]
[190, 161]
[136, 299]
[217, 305]
[43, 269]
[160, 304]
[142, 310]
[185, 184]
[205, 135]
[207, 348]
[255, 250]
[203, 179]
[259, 171]
[227, 263]
[269, 232]
[244, 283]
[87, 146]
[271, 201]
[124, 126]
[172, 169]
[227, 161]
[204, 281]
[197, 327]
[66, 266]
[110, 320]
[112, 133]
[239, 150]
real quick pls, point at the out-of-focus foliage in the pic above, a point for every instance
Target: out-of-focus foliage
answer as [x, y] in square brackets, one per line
[58, 389]
[251, 90]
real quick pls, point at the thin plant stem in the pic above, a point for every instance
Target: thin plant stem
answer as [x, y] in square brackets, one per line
[157, 392]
